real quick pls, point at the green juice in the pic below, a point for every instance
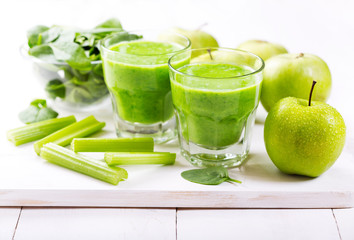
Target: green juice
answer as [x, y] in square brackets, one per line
[213, 104]
[138, 80]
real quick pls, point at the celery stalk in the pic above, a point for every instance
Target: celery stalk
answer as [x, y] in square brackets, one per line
[131, 158]
[83, 164]
[112, 145]
[64, 136]
[35, 131]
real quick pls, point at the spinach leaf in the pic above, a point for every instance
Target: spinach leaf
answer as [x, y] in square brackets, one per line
[43, 52]
[55, 88]
[66, 35]
[77, 94]
[37, 111]
[98, 70]
[71, 53]
[110, 23]
[33, 33]
[49, 35]
[208, 176]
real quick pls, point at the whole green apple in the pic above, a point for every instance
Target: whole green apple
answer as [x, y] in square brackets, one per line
[198, 38]
[262, 48]
[289, 75]
[302, 139]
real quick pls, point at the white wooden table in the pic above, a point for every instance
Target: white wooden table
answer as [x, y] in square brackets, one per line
[324, 28]
[133, 223]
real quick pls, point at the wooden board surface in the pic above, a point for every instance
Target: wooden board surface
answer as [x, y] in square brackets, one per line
[8, 221]
[345, 222]
[142, 223]
[28, 180]
[107, 223]
[257, 224]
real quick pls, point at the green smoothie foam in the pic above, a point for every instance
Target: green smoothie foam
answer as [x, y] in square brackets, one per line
[139, 80]
[213, 108]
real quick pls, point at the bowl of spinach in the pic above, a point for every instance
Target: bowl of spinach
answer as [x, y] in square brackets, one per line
[67, 61]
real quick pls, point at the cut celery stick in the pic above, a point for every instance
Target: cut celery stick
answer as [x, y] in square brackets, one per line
[66, 158]
[132, 158]
[112, 145]
[38, 130]
[64, 136]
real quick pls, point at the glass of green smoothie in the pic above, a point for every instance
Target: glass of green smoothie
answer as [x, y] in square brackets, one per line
[137, 76]
[215, 96]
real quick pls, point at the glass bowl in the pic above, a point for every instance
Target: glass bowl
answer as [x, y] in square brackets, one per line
[69, 88]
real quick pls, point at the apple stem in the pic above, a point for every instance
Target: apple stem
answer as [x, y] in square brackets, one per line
[300, 55]
[211, 56]
[201, 26]
[313, 86]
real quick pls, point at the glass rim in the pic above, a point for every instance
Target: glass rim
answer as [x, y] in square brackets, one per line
[101, 45]
[218, 48]
[24, 52]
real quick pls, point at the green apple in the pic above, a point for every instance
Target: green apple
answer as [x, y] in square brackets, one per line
[302, 139]
[219, 56]
[198, 38]
[262, 48]
[289, 75]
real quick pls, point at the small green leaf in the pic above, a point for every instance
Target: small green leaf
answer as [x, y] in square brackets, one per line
[208, 176]
[110, 23]
[49, 35]
[66, 35]
[55, 88]
[37, 111]
[77, 94]
[33, 33]
[43, 52]
[98, 70]
[71, 53]
[40, 103]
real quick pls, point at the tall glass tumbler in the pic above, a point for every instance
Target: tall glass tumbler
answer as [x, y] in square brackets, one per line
[215, 96]
[136, 74]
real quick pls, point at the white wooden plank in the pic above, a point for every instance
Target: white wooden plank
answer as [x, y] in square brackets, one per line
[345, 222]
[256, 224]
[96, 223]
[175, 198]
[8, 221]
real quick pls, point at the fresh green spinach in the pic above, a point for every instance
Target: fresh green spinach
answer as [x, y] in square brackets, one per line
[71, 53]
[83, 80]
[208, 176]
[37, 111]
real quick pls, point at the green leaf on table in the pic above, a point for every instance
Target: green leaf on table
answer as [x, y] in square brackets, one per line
[71, 53]
[55, 88]
[33, 33]
[110, 23]
[37, 111]
[208, 176]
